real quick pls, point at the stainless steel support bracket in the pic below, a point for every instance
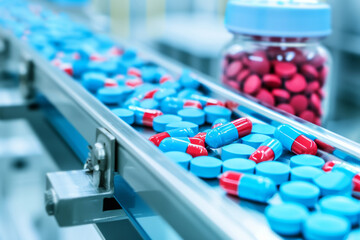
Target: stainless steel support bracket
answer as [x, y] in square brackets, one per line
[26, 76]
[81, 196]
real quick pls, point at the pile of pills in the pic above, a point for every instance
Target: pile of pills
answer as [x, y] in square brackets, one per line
[253, 160]
[290, 79]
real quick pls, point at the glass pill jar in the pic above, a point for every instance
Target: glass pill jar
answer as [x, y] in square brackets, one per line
[276, 54]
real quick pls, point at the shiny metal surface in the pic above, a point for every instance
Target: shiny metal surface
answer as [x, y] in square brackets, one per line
[73, 199]
[182, 200]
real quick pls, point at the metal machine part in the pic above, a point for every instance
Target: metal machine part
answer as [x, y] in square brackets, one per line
[26, 76]
[85, 196]
[188, 204]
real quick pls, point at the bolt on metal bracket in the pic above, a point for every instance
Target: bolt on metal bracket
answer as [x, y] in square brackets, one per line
[78, 197]
[101, 161]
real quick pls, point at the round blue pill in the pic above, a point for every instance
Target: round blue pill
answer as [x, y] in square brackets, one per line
[164, 93]
[149, 104]
[326, 226]
[276, 171]
[254, 140]
[171, 85]
[342, 206]
[193, 115]
[160, 122]
[305, 173]
[126, 115]
[113, 95]
[188, 80]
[181, 158]
[354, 235]
[334, 183]
[182, 124]
[265, 129]
[306, 160]
[236, 150]
[216, 112]
[284, 223]
[92, 81]
[205, 167]
[304, 193]
[239, 165]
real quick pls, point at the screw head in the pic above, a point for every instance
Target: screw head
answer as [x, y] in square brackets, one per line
[50, 201]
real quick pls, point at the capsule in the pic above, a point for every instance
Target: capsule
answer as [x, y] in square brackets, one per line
[248, 186]
[193, 140]
[204, 100]
[228, 132]
[202, 135]
[67, 68]
[178, 133]
[145, 117]
[294, 141]
[349, 170]
[134, 82]
[174, 144]
[219, 122]
[172, 105]
[150, 94]
[111, 83]
[269, 150]
[320, 144]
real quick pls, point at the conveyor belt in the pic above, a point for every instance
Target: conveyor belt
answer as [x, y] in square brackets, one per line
[194, 208]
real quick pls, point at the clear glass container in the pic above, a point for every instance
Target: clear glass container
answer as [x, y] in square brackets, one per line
[288, 73]
[276, 54]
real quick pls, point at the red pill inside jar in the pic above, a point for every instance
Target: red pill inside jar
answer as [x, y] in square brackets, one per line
[309, 71]
[242, 75]
[318, 61]
[258, 63]
[234, 68]
[280, 95]
[315, 102]
[252, 84]
[317, 121]
[287, 108]
[299, 56]
[307, 115]
[233, 84]
[271, 80]
[299, 103]
[285, 69]
[265, 96]
[312, 87]
[296, 84]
